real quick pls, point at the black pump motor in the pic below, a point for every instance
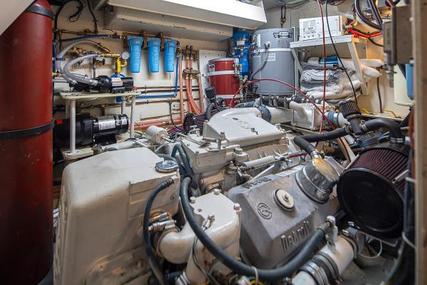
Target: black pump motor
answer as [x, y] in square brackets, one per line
[90, 130]
[371, 191]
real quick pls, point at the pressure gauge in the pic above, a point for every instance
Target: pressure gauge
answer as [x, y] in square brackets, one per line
[125, 55]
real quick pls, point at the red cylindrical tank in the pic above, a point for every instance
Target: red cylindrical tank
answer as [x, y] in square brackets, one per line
[224, 77]
[26, 147]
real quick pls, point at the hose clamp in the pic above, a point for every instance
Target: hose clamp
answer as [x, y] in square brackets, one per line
[364, 127]
[40, 10]
[317, 272]
[395, 140]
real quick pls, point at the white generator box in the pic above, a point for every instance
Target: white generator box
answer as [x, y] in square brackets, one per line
[103, 198]
[311, 28]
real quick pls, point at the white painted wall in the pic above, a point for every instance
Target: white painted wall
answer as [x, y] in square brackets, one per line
[142, 79]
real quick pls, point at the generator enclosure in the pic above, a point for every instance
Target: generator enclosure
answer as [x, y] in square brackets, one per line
[103, 198]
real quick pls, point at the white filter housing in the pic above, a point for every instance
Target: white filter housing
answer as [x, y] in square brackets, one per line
[99, 238]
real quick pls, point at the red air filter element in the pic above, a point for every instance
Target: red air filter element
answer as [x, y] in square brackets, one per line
[26, 147]
[371, 196]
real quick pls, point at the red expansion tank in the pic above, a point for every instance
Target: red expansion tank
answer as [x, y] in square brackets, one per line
[26, 147]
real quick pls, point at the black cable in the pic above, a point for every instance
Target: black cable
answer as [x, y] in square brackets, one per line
[262, 66]
[375, 12]
[95, 21]
[338, 55]
[363, 18]
[380, 100]
[241, 268]
[72, 18]
[375, 43]
[146, 234]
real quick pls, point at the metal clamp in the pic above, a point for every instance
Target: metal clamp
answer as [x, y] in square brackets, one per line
[40, 10]
[24, 133]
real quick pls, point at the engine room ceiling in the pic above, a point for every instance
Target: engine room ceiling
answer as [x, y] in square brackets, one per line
[10, 11]
[230, 13]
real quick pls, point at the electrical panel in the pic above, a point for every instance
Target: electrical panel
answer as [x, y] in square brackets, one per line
[311, 28]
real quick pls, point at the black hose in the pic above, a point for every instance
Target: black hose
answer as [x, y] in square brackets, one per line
[183, 158]
[304, 142]
[146, 234]
[238, 267]
[375, 12]
[209, 108]
[388, 124]
[362, 16]
[380, 100]
[262, 66]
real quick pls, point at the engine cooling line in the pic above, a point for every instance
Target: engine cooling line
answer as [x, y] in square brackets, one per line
[241, 268]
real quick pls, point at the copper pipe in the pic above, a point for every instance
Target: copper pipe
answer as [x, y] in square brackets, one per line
[190, 83]
[201, 93]
[158, 88]
[154, 122]
[181, 95]
[187, 85]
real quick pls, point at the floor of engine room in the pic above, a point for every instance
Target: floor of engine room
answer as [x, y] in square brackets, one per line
[373, 275]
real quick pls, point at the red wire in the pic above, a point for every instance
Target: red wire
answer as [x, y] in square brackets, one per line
[324, 63]
[364, 35]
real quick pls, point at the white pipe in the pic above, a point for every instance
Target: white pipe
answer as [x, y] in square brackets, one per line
[297, 107]
[175, 247]
[72, 126]
[341, 254]
[260, 162]
[278, 116]
[60, 56]
[132, 116]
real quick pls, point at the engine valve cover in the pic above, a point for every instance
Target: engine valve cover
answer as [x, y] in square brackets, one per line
[277, 217]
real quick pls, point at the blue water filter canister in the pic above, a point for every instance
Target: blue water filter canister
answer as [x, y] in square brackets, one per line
[153, 54]
[169, 55]
[135, 45]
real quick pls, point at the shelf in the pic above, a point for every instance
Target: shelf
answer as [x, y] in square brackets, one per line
[93, 95]
[347, 40]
